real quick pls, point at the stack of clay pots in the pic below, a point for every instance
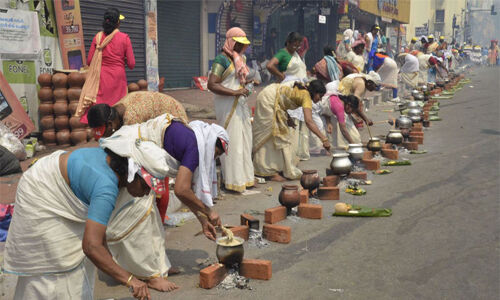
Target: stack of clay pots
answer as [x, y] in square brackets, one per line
[141, 85]
[56, 111]
[46, 109]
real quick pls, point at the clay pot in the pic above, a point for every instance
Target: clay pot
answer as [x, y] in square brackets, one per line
[78, 136]
[45, 80]
[143, 85]
[45, 94]
[60, 93]
[133, 87]
[63, 137]
[74, 93]
[47, 122]
[90, 133]
[61, 107]
[72, 107]
[289, 196]
[49, 136]
[46, 108]
[60, 80]
[74, 123]
[61, 122]
[75, 79]
[309, 179]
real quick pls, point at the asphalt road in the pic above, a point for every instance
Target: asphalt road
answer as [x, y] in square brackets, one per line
[442, 241]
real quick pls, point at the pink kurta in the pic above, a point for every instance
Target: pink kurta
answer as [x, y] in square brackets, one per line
[113, 80]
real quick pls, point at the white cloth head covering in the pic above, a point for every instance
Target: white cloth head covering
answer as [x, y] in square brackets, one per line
[373, 76]
[205, 177]
[348, 34]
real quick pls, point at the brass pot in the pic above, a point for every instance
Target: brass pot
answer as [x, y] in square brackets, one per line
[309, 179]
[374, 144]
[229, 255]
[341, 164]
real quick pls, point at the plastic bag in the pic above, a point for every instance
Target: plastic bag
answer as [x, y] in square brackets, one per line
[11, 142]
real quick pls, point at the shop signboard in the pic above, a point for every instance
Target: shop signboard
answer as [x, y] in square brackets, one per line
[393, 9]
[19, 34]
[12, 113]
[69, 24]
[420, 31]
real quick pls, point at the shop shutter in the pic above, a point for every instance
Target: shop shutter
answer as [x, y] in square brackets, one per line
[134, 25]
[179, 42]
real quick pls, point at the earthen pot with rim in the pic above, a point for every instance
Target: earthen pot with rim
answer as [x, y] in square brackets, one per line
[143, 85]
[74, 123]
[61, 122]
[75, 79]
[45, 94]
[74, 93]
[61, 107]
[133, 87]
[289, 196]
[63, 137]
[72, 106]
[60, 80]
[60, 93]
[90, 133]
[45, 80]
[78, 136]
[49, 137]
[46, 108]
[310, 180]
[47, 122]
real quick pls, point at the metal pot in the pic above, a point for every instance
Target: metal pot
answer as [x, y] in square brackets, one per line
[229, 255]
[289, 196]
[394, 137]
[403, 122]
[413, 104]
[414, 112]
[416, 119]
[355, 151]
[419, 97]
[374, 144]
[415, 92]
[341, 164]
[309, 179]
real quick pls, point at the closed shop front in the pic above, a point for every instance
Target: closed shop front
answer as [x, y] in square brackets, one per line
[179, 46]
[134, 25]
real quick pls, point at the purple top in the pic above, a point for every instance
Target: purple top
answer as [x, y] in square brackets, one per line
[180, 142]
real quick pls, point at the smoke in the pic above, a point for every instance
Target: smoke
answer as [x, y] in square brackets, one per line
[484, 26]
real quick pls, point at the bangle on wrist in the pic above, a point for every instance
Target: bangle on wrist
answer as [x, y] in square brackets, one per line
[129, 279]
[324, 140]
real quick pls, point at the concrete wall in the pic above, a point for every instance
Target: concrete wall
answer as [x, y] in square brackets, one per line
[419, 15]
[209, 10]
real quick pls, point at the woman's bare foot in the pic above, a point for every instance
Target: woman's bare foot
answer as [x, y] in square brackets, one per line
[174, 271]
[162, 284]
[277, 178]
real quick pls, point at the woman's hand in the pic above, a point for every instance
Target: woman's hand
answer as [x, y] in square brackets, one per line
[326, 144]
[214, 219]
[369, 122]
[329, 127]
[208, 229]
[241, 92]
[281, 77]
[139, 289]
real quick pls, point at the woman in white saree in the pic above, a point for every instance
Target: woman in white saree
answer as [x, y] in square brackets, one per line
[64, 205]
[227, 80]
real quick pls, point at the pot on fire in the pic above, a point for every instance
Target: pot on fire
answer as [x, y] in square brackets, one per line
[341, 164]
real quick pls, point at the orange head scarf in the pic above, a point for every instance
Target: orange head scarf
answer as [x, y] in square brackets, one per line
[239, 64]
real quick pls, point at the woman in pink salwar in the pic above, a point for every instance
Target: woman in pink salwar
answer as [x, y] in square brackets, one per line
[115, 54]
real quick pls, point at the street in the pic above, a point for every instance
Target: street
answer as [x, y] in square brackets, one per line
[440, 243]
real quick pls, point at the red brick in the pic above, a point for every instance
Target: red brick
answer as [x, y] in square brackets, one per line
[417, 139]
[256, 269]
[390, 154]
[250, 221]
[387, 146]
[367, 155]
[310, 211]
[410, 145]
[304, 196]
[416, 133]
[329, 193]
[358, 175]
[277, 233]
[331, 180]
[417, 129]
[242, 231]
[212, 275]
[417, 125]
[371, 164]
[275, 214]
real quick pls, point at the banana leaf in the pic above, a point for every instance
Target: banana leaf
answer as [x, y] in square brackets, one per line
[418, 151]
[382, 172]
[397, 163]
[364, 211]
[434, 118]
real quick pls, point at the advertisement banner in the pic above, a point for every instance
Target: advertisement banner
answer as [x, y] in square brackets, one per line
[12, 113]
[393, 9]
[69, 25]
[19, 33]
